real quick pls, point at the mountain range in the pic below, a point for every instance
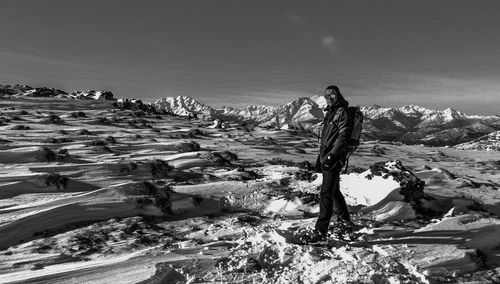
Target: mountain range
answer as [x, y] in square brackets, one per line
[407, 124]
[16, 91]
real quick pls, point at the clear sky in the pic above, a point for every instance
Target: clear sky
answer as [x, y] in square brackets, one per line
[432, 53]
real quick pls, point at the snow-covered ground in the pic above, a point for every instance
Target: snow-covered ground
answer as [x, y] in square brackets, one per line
[94, 194]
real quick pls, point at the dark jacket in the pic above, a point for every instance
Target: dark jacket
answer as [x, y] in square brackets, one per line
[334, 135]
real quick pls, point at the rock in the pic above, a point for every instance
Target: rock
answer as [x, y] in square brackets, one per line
[92, 95]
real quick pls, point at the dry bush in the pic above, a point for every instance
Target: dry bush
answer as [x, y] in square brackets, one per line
[58, 140]
[128, 167]
[78, 114]
[53, 119]
[88, 242]
[304, 175]
[62, 153]
[278, 161]
[15, 117]
[223, 158]
[103, 121]
[20, 127]
[56, 179]
[84, 132]
[98, 142]
[161, 196]
[160, 168]
[195, 132]
[188, 147]
[111, 139]
[48, 155]
[142, 202]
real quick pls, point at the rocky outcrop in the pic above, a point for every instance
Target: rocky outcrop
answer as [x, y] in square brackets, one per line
[489, 142]
[90, 95]
[27, 91]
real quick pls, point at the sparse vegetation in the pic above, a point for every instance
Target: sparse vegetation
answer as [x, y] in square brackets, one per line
[111, 139]
[223, 158]
[98, 142]
[88, 242]
[160, 195]
[84, 132]
[304, 175]
[160, 168]
[48, 155]
[128, 168]
[78, 114]
[103, 121]
[58, 140]
[305, 165]
[188, 147]
[53, 119]
[20, 127]
[62, 152]
[59, 181]
[143, 202]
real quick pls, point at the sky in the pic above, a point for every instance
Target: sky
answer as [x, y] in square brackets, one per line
[436, 54]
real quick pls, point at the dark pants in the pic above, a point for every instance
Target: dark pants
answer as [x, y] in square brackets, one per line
[330, 196]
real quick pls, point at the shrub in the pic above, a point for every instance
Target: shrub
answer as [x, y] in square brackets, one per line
[188, 147]
[98, 142]
[62, 153]
[58, 140]
[221, 158]
[128, 167]
[20, 127]
[161, 196]
[78, 114]
[84, 132]
[195, 132]
[111, 139]
[160, 168]
[4, 119]
[54, 119]
[88, 242]
[103, 121]
[56, 179]
[303, 175]
[138, 113]
[48, 155]
[143, 202]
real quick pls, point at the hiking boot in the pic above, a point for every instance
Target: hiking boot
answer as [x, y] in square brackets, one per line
[343, 229]
[313, 237]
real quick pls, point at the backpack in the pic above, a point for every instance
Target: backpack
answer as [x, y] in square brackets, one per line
[355, 126]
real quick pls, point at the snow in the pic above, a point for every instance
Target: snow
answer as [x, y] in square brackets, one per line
[234, 221]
